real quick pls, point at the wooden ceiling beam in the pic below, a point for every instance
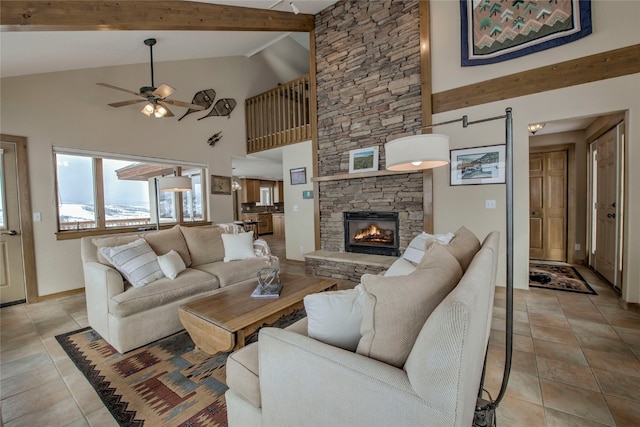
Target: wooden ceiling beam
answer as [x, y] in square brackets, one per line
[89, 15]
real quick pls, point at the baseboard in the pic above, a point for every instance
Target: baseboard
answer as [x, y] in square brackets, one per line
[57, 295]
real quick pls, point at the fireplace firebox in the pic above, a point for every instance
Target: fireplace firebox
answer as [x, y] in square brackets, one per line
[372, 233]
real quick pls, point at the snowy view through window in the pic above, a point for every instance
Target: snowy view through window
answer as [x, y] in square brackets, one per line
[126, 199]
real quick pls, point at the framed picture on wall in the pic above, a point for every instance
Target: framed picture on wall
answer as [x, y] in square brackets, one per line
[478, 165]
[220, 184]
[298, 176]
[363, 160]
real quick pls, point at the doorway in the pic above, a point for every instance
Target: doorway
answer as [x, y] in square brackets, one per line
[17, 253]
[552, 202]
[606, 179]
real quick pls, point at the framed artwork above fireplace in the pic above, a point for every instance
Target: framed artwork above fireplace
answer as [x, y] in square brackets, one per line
[363, 160]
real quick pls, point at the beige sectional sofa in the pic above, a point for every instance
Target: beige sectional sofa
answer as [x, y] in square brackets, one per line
[128, 317]
[290, 379]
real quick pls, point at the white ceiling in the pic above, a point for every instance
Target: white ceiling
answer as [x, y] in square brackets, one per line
[29, 52]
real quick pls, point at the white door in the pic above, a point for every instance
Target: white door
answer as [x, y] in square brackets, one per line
[12, 277]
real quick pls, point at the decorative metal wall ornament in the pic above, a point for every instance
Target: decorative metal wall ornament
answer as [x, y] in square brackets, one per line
[214, 138]
[203, 98]
[222, 107]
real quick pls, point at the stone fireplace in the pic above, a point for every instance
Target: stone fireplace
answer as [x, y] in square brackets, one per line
[372, 233]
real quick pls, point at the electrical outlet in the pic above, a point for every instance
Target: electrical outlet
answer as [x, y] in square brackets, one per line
[489, 204]
[301, 249]
[37, 217]
[577, 246]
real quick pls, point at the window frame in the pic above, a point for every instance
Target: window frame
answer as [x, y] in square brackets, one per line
[99, 196]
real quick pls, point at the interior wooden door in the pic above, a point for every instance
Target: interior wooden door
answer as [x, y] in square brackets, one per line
[12, 276]
[548, 205]
[606, 193]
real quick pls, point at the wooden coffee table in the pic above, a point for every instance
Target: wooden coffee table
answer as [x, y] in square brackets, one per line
[220, 322]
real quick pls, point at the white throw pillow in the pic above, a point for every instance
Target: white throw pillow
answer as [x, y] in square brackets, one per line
[171, 264]
[136, 261]
[417, 247]
[400, 267]
[238, 246]
[335, 317]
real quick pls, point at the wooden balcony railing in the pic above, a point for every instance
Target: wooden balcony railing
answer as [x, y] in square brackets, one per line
[278, 117]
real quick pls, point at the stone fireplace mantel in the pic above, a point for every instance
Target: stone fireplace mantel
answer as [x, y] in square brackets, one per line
[342, 176]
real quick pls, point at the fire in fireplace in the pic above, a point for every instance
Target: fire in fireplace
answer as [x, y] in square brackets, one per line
[371, 233]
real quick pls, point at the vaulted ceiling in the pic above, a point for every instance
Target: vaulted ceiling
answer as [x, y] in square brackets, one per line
[38, 39]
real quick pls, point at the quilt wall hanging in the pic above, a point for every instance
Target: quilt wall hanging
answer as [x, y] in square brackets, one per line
[499, 30]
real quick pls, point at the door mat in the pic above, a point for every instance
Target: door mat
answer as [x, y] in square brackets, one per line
[166, 383]
[559, 277]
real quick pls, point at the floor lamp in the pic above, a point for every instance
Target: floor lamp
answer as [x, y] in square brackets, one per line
[427, 151]
[173, 184]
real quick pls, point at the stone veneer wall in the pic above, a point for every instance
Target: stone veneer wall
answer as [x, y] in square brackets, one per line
[368, 89]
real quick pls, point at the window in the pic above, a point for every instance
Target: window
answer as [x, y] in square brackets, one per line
[97, 192]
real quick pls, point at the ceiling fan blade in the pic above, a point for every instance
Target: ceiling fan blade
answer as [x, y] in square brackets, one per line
[169, 113]
[130, 102]
[118, 88]
[185, 104]
[163, 91]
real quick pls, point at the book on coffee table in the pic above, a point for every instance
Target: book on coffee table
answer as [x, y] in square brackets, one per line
[271, 291]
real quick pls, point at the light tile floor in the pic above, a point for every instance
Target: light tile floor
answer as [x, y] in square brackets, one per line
[576, 362]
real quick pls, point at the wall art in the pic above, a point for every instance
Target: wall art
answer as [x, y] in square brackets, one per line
[494, 31]
[220, 184]
[363, 160]
[478, 165]
[298, 176]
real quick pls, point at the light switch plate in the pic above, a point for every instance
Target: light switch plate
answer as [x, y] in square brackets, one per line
[489, 204]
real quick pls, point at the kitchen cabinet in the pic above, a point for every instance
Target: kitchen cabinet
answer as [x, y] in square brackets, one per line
[265, 222]
[280, 190]
[278, 224]
[250, 190]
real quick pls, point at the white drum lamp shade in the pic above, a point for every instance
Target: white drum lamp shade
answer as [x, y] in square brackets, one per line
[415, 152]
[174, 183]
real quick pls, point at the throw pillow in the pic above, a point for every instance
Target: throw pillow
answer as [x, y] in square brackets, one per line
[204, 243]
[165, 240]
[238, 246]
[171, 264]
[400, 267]
[335, 317]
[464, 247]
[111, 241]
[419, 244]
[136, 261]
[397, 307]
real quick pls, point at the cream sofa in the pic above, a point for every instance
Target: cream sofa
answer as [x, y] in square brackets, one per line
[128, 317]
[289, 379]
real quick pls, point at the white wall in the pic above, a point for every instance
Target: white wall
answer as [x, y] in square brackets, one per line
[614, 27]
[67, 109]
[298, 212]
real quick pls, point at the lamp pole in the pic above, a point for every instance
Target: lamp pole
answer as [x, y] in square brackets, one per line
[157, 190]
[485, 409]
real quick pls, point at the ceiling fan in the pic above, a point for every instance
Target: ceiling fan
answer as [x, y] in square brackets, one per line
[155, 98]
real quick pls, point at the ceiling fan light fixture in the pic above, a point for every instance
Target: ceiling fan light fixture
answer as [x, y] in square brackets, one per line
[160, 111]
[148, 109]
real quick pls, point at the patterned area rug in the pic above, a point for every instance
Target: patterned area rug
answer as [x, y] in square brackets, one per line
[557, 276]
[166, 383]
